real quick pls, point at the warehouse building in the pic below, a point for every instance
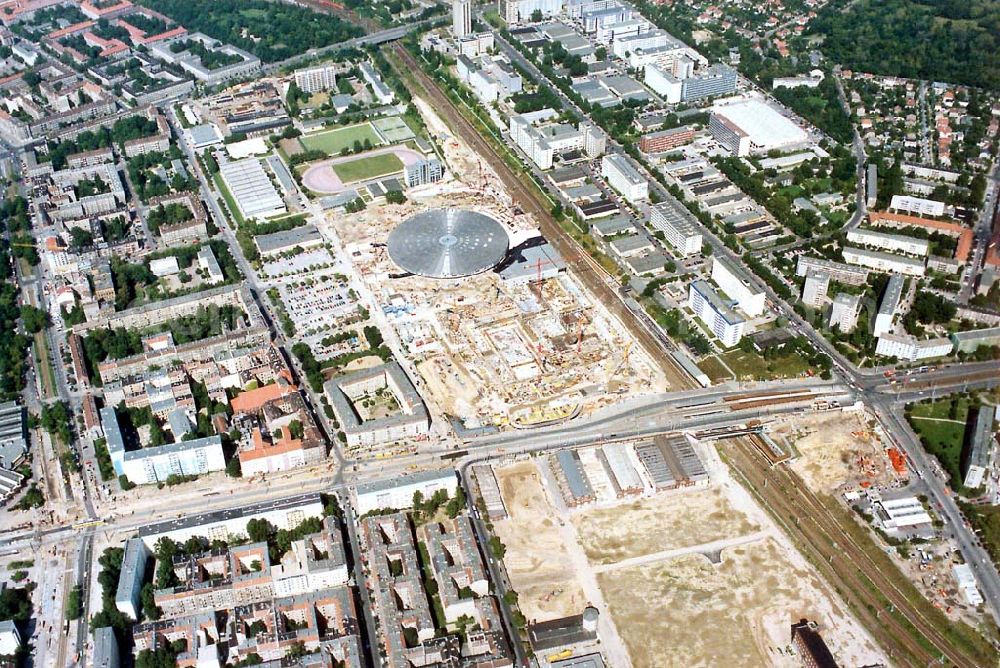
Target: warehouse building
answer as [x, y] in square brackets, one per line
[251, 188]
[901, 513]
[575, 485]
[751, 126]
[304, 237]
[13, 434]
[670, 461]
[489, 490]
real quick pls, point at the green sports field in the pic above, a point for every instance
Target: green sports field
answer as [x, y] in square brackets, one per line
[332, 141]
[372, 167]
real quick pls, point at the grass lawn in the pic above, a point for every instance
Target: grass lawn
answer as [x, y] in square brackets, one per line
[755, 366]
[941, 435]
[45, 365]
[368, 168]
[713, 369]
[332, 141]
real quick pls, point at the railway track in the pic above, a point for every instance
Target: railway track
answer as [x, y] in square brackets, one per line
[909, 633]
[583, 266]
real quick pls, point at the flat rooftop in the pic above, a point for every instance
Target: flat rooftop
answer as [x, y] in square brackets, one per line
[765, 126]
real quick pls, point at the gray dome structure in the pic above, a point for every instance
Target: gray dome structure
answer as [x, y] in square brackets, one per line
[448, 243]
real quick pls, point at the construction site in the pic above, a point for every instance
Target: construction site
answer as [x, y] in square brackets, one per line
[840, 451]
[699, 573]
[846, 455]
[521, 345]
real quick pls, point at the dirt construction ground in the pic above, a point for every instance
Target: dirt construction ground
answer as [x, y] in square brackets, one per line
[692, 577]
[537, 561]
[837, 450]
[659, 523]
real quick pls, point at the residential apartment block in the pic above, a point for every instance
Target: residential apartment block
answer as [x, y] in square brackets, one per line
[720, 318]
[733, 281]
[623, 176]
[679, 227]
[909, 348]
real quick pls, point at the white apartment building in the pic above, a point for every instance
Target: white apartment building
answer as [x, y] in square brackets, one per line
[491, 79]
[980, 458]
[541, 141]
[735, 283]
[917, 205]
[461, 17]
[722, 320]
[884, 262]
[156, 464]
[663, 82]
[678, 226]
[644, 41]
[520, 11]
[841, 273]
[907, 347]
[316, 79]
[889, 242]
[622, 175]
[889, 305]
[815, 288]
[844, 312]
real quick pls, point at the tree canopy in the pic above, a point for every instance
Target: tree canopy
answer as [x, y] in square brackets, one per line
[269, 30]
[957, 41]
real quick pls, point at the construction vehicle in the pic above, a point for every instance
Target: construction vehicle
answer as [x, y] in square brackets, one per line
[559, 656]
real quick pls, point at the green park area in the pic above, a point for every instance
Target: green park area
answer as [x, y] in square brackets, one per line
[332, 142]
[750, 364]
[941, 428]
[368, 168]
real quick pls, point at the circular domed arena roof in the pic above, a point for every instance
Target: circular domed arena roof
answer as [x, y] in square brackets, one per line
[448, 243]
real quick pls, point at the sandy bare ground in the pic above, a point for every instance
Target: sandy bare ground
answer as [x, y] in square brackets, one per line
[659, 523]
[675, 608]
[688, 612]
[536, 559]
